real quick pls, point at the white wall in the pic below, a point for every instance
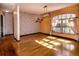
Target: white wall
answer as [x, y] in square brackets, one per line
[7, 23]
[15, 25]
[27, 24]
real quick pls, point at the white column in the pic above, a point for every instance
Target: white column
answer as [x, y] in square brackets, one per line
[18, 22]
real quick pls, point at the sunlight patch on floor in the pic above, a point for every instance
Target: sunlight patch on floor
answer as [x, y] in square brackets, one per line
[63, 40]
[50, 43]
[57, 43]
[51, 37]
[46, 40]
[45, 44]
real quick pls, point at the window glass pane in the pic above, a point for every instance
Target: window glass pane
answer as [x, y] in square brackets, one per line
[66, 30]
[53, 22]
[71, 19]
[65, 22]
[71, 31]
[73, 15]
[58, 30]
[71, 24]
[60, 17]
[69, 15]
[59, 21]
[64, 16]
[58, 25]
[54, 28]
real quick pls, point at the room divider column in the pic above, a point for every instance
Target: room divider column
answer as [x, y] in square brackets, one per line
[18, 27]
[17, 23]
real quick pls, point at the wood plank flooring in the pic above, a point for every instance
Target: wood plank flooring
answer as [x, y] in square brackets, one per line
[6, 47]
[43, 45]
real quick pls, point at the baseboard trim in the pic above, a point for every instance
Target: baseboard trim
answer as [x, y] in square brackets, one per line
[16, 39]
[50, 35]
[29, 34]
[44, 33]
[7, 34]
[60, 37]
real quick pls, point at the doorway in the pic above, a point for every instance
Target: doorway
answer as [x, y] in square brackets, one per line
[1, 25]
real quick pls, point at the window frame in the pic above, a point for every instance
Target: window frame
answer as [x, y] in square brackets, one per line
[61, 24]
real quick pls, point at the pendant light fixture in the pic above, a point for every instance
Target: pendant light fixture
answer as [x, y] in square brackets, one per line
[40, 19]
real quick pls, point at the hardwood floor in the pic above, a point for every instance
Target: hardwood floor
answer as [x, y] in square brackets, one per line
[43, 45]
[6, 47]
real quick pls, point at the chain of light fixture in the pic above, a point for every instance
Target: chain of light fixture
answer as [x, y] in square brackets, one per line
[45, 8]
[45, 11]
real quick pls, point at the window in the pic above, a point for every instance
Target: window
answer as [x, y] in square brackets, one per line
[64, 23]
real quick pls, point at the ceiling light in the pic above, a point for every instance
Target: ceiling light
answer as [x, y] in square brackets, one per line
[6, 11]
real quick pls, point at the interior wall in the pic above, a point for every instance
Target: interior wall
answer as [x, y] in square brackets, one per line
[7, 23]
[45, 25]
[15, 26]
[70, 9]
[27, 24]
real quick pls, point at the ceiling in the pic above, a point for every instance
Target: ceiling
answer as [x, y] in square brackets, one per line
[34, 8]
